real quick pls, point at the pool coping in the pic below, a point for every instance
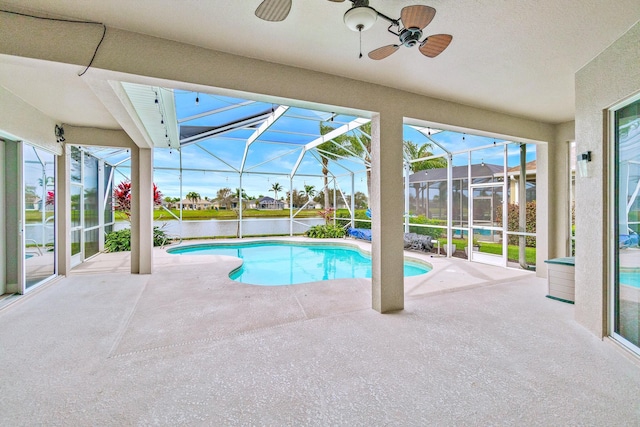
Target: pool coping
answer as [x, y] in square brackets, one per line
[346, 243]
[447, 274]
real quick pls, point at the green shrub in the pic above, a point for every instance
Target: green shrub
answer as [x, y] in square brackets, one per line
[159, 236]
[359, 214]
[435, 233]
[513, 218]
[120, 241]
[325, 231]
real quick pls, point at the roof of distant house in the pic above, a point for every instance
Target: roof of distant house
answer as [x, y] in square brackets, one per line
[267, 199]
[531, 167]
[459, 172]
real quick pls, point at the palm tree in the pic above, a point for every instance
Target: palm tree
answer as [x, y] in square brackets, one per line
[236, 194]
[275, 188]
[362, 148]
[414, 151]
[193, 196]
[309, 191]
[224, 196]
[330, 151]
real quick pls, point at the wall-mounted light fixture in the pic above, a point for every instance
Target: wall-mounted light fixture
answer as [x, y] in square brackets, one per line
[583, 159]
[59, 132]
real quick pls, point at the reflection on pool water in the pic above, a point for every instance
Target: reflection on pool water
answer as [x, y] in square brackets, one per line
[283, 263]
[630, 278]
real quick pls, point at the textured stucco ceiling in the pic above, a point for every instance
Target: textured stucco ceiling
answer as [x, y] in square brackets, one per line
[514, 57]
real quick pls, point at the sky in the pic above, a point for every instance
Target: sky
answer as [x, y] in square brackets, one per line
[213, 163]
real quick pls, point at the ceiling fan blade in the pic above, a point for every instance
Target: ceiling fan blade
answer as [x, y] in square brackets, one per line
[417, 16]
[383, 52]
[273, 10]
[337, 1]
[434, 45]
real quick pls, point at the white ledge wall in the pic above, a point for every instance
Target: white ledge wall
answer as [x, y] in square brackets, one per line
[133, 57]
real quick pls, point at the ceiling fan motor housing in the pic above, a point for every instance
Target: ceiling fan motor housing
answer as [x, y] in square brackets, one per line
[410, 36]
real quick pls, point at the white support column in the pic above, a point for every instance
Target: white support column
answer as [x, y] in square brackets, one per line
[407, 205]
[522, 206]
[551, 200]
[240, 209]
[450, 204]
[386, 213]
[335, 200]
[63, 212]
[291, 205]
[505, 207]
[101, 198]
[141, 210]
[469, 204]
[353, 200]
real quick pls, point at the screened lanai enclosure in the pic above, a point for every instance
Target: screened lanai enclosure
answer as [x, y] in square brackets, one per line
[229, 167]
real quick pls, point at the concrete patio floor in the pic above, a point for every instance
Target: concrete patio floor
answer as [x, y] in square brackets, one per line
[475, 345]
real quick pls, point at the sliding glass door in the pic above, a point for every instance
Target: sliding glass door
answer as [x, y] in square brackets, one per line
[626, 260]
[38, 215]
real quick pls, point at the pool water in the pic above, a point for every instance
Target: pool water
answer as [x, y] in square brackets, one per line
[282, 263]
[630, 278]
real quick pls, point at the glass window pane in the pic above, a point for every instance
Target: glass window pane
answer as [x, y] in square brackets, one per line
[76, 194]
[76, 165]
[108, 192]
[39, 202]
[91, 208]
[91, 245]
[75, 242]
[487, 206]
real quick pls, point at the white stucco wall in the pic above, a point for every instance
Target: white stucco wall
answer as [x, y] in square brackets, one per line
[608, 79]
[559, 214]
[25, 123]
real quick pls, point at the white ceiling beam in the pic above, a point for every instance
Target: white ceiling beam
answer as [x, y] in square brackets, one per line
[218, 110]
[277, 113]
[117, 102]
[298, 162]
[336, 133]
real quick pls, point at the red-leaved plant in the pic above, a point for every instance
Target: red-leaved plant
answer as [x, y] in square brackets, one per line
[122, 197]
[327, 214]
[51, 198]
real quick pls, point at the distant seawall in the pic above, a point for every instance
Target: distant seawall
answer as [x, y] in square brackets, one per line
[213, 228]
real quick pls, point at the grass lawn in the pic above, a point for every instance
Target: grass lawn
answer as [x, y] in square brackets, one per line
[496, 248]
[512, 252]
[34, 216]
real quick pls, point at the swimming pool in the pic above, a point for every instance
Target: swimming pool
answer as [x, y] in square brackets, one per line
[272, 263]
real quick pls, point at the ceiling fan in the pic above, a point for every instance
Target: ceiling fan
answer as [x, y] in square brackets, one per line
[361, 16]
[277, 10]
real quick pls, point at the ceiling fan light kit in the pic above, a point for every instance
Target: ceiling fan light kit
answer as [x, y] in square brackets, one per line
[360, 17]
